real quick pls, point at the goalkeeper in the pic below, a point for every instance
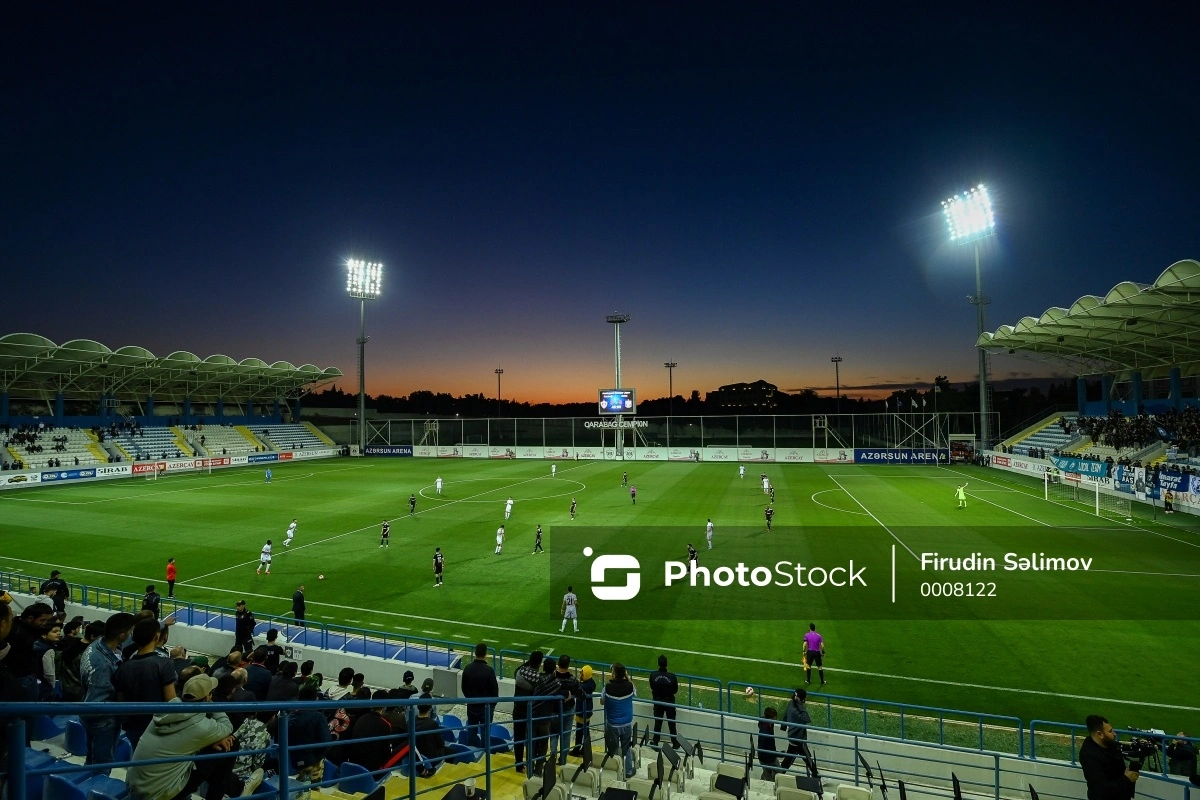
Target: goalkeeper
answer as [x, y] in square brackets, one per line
[960, 494]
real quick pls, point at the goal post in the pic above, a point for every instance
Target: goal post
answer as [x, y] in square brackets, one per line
[1058, 488]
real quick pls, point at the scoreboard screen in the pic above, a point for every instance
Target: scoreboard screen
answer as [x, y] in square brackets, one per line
[618, 401]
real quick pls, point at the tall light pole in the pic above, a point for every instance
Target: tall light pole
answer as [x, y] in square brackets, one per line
[837, 380]
[364, 280]
[970, 219]
[498, 372]
[670, 365]
[617, 320]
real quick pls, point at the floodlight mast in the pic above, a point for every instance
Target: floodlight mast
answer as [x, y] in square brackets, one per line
[617, 320]
[837, 380]
[970, 219]
[364, 280]
[670, 365]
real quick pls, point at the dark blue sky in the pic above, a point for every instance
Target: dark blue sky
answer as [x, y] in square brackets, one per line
[758, 184]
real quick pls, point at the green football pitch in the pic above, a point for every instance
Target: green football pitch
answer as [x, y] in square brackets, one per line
[1119, 638]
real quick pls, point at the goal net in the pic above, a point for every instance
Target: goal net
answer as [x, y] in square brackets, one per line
[1060, 489]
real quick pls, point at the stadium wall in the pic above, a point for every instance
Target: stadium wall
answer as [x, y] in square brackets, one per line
[175, 466]
[735, 455]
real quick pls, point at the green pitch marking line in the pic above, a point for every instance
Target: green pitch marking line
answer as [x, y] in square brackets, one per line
[872, 516]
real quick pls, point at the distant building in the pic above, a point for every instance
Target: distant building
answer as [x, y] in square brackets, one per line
[744, 397]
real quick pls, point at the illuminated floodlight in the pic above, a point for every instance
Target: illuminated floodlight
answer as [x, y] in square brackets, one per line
[364, 279]
[969, 215]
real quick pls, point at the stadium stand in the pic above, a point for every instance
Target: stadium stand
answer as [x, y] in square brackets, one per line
[1052, 436]
[289, 437]
[219, 440]
[37, 449]
[140, 444]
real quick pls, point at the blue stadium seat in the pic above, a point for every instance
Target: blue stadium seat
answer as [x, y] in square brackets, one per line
[356, 779]
[75, 741]
[106, 786]
[46, 728]
[461, 754]
[34, 784]
[501, 739]
[453, 726]
[124, 750]
[59, 788]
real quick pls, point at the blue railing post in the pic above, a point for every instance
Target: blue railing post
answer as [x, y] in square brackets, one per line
[487, 752]
[941, 730]
[856, 758]
[997, 760]
[412, 753]
[16, 759]
[281, 739]
[980, 720]
[528, 740]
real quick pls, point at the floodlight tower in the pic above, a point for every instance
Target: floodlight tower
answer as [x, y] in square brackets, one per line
[670, 365]
[617, 320]
[970, 219]
[498, 372]
[364, 280]
[837, 380]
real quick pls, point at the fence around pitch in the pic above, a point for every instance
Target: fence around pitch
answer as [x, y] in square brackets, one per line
[910, 723]
[883, 430]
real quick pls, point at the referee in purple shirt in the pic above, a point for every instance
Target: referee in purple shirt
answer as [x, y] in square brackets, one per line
[814, 643]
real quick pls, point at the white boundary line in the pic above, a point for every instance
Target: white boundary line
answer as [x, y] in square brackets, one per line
[872, 516]
[658, 647]
[446, 504]
[834, 508]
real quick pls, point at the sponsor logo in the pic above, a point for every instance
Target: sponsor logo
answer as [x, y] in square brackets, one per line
[651, 455]
[790, 455]
[389, 450]
[122, 470]
[17, 479]
[615, 423]
[1001, 461]
[909, 456]
[261, 457]
[825, 456]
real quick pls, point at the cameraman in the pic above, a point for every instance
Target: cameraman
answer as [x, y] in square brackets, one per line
[1103, 765]
[1181, 756]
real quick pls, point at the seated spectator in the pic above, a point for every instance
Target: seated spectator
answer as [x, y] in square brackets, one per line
[370, 725]
[283, 685]
[343, 687]
[305, 729]
[228, 664]
[252, 734]
[408, 689]
[188, 731]
[430, 743]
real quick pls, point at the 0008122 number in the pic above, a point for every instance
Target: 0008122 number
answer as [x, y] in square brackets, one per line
[958, 589]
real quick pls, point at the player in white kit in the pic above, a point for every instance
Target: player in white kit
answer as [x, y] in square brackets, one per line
[553, 469]
[508, 508]
[264, 558]
[438, 484]
[708, 534]
[570, 610]
[291, 531]
[766, 485]
[499, 539]
[741, 470]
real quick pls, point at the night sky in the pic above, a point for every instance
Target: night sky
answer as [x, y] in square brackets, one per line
[757, 184]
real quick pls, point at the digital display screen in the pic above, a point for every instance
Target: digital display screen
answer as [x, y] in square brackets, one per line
[618, 401]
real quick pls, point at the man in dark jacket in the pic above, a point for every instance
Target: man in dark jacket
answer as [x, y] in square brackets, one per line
[371, 725]
[258, 677]
[244, 628]
[663, 688]
[152, 601]
[767, 755]
[796, 721]
[283, 685]
[430, 744]
[298, 606]
[62, 592]
[1103, 765]
[567, 685]
[527, 677]
[479, 680]
[308, 728]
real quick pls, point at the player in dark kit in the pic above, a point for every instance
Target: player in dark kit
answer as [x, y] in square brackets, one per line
[574, 504]
[537, 541]
[770, 515]
[692, 555]
[771, 489]
[385, 534]
[439, 561]
[624, 478]
[412, 504]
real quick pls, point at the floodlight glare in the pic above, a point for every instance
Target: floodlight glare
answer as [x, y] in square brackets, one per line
[969, 215]
[364, 279]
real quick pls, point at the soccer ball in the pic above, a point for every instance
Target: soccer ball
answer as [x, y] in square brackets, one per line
[320, 577]
[749, 692]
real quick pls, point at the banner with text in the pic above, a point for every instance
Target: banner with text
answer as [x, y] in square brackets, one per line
[763, 454]
[909, 455]
[1084, 466]
[395, 450]
[17, 479]
[833, 455]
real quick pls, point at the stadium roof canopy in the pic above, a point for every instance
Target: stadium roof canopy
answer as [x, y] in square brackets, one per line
[32, 366]
[1134, 328]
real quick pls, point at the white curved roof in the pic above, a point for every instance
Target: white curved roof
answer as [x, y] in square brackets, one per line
[34, 366]
[1135, 326]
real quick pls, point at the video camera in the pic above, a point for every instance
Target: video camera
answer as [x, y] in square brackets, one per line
[1139, 748]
